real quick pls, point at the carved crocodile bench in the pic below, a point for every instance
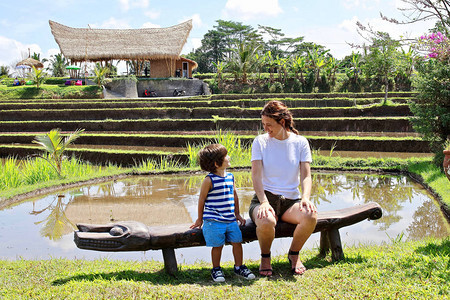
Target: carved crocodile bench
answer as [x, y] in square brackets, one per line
[135, 236]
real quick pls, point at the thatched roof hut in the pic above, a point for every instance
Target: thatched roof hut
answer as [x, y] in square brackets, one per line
[86, 44]
[31, 62]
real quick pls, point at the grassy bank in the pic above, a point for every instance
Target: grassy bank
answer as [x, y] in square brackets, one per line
[400, 270]
[49, 91]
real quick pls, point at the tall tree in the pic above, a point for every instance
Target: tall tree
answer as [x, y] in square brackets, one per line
[4, 71]
[235, 33]
[381, 60]
[277, 43]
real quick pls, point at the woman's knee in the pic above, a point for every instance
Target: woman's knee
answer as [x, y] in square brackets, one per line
[300, 217]
[311, 217]
[266, 223]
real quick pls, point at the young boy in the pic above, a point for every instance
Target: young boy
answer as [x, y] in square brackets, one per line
[218, 210]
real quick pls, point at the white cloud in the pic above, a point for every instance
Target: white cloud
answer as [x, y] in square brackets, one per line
[360, 4]
[113, 23]
[196, 42]
[152, 14]
[196, 20]
[337, 38]
[251, 9]
[12, 51]
[127, 4]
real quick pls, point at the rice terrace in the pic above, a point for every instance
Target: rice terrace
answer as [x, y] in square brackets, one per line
[101, 177]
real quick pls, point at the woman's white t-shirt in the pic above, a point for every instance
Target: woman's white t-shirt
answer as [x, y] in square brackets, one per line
[281, 162]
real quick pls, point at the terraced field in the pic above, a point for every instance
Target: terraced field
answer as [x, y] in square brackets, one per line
[126, 131]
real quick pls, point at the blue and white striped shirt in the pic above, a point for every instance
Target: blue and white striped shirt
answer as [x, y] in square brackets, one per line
[219, 203]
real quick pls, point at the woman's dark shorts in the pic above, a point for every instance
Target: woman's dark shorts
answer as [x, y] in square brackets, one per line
[279, 203]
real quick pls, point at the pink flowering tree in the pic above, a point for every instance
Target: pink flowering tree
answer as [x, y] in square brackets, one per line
[432, 107]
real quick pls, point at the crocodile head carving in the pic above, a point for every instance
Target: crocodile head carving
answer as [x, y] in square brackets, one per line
[121, 236]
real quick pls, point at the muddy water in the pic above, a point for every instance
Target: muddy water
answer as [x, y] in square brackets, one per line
[43, 228]
[367, 154]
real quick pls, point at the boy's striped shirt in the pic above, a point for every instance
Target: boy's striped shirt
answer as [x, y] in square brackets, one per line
[219, 204]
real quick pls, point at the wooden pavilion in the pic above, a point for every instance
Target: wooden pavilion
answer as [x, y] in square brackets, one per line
[159, 46]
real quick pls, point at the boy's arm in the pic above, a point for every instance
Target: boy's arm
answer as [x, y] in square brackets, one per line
[205, 188]
[236, 207]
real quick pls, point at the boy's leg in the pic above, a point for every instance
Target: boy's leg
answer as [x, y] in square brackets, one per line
[237, 254]
[216, 254]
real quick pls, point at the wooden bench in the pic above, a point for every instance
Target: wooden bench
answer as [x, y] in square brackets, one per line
[135, 236]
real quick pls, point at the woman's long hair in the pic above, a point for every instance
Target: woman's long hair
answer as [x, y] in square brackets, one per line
[278, 111]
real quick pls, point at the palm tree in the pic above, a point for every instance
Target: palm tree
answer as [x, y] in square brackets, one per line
[54, 144]
[58, 65]
[243, 60]
[100, 74]
[37, 56]
[38, 76]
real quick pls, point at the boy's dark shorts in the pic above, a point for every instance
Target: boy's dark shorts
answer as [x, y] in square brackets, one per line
[279, 203]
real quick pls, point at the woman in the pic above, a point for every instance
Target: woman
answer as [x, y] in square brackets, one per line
[280, 163]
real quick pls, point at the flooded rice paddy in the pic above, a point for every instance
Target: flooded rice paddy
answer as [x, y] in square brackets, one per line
[42, 228]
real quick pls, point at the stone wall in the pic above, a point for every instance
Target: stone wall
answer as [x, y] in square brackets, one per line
[120, 88]
[127, 88]
[166, 87]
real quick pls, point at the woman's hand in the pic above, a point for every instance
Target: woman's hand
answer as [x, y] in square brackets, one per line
[264, 209]
[198, 223]
[308, 205]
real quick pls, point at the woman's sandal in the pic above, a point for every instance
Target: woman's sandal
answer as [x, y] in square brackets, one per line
[297, 270]
[266, 271]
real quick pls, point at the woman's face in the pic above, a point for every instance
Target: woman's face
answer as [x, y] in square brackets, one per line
[273, 128]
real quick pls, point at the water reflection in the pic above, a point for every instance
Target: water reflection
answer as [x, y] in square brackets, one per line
[56, 222]
[48, 223]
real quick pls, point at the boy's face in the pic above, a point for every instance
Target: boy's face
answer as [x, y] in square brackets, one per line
[225, 164]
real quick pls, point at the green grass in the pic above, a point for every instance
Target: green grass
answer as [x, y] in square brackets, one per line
[243, 136]
[49, 92]
[399, 270]
[434, 178]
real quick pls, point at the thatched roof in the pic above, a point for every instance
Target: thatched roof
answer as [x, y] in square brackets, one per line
[30, 62]
[80, 44]
[194, 63]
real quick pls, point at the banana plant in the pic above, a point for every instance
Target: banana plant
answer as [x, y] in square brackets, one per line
[54, 145]
[299, 66]
[271, 64]
[220, 67]
[316, 61]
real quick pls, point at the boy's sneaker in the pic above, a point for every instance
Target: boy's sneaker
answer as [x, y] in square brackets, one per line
[244, 272]
[217, 274]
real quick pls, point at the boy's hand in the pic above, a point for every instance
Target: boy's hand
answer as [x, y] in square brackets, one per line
[198, 223]
[241, 220]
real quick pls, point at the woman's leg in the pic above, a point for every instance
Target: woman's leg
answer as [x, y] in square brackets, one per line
[265, 232]
[306, 222]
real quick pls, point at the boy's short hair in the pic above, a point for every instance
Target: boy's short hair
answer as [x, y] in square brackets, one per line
[212, 156]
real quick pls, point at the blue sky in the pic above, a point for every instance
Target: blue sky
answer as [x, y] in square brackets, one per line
[330, 23]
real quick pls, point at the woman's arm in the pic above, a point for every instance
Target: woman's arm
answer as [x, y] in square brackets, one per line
[306, 184]
[265, 207]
